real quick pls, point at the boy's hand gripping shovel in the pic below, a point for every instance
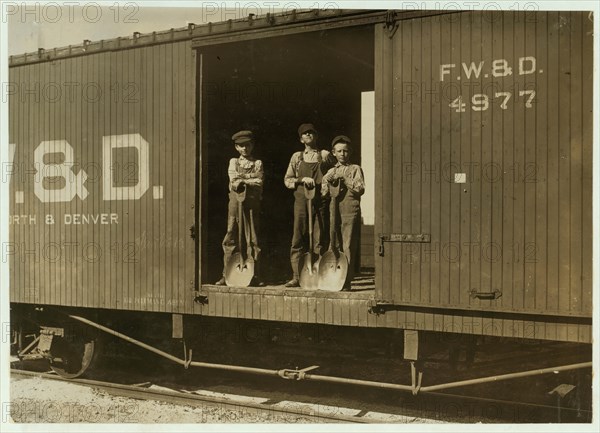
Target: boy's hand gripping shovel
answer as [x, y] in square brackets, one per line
[309, 264]
[333, 268]
[239, 270]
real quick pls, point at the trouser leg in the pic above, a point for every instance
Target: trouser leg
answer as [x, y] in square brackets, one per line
[350, 220]
[349, 243]
[298, 236]
[231, 236]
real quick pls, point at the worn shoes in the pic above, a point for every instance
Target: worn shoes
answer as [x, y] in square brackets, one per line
[293, 283]
[255, 282]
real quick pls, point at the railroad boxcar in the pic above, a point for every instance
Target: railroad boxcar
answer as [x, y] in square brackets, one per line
[474, 128]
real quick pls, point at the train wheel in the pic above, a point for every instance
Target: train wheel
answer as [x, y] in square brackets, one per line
[71, 359]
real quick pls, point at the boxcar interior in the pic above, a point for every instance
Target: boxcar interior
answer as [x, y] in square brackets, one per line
[271, 86]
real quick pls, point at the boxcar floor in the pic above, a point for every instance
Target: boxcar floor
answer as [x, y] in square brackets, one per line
[363, 284]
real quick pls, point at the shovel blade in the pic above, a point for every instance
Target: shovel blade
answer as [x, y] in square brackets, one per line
[333, 270]
[239, 271]
[309, 272]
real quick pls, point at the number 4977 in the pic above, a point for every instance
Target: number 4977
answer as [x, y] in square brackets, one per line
[481, 101]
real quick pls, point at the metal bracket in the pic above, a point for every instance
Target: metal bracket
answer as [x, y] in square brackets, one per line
[187, 356]
[416, 378]
[402, 237]
[390, 23]
[177, 325]
[379, 307]
[44, 345]
[29, 347]
[48, 330]
[296, 374]
[201, 299]
[411, 345]
[561, 392]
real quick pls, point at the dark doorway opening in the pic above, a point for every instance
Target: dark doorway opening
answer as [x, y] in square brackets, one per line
[271, 86]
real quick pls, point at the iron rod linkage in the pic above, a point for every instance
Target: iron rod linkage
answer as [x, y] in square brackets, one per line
[303, 375]
[507, 376]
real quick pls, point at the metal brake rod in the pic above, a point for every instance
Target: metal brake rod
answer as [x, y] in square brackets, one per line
[432, 388]
[507, 376]
[330, 379]
[175, 358]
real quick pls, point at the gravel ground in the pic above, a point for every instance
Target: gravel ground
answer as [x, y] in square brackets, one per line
[59, 402]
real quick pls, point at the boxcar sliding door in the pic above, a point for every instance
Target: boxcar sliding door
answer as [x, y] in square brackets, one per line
[484, 161]
[103, 181]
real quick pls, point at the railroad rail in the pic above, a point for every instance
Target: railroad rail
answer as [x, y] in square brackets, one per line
[182, 398]
[428, 407]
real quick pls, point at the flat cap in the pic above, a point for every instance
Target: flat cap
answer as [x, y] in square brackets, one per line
[305, 127]
[340, 139]
[242, 137]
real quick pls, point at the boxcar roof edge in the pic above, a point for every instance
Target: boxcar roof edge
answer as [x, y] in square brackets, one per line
[210, 32]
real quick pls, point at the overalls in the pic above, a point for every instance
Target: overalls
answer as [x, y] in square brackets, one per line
[320, 216]
[252, 202]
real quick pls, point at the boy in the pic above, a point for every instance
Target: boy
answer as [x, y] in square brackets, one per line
[306, 169]
[352, 186]
[244, 172]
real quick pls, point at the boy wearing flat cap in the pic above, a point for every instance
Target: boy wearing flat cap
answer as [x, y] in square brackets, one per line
[352, 186]
[244, 172]
[306, 170]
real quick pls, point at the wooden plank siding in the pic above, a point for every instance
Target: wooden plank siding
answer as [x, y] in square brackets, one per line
[141, 260]
[504, 99]
[343, 309]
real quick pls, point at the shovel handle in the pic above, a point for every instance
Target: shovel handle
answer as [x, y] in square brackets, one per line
[309, 193]
[310, 225]
[334, 190]
[250, 246]
[240, 228]
[241, 197]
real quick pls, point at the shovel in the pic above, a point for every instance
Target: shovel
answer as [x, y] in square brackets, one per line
[309, 264]
[333, 268]
[239, 270]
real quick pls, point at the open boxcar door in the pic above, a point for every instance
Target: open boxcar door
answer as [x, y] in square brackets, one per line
[483, 144]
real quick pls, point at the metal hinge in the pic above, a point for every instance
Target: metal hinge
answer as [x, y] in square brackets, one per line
[402, 237]
[193, 231]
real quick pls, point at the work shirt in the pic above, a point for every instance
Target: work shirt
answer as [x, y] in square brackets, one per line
[352, 175]
[249, 170]
[291, 178]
